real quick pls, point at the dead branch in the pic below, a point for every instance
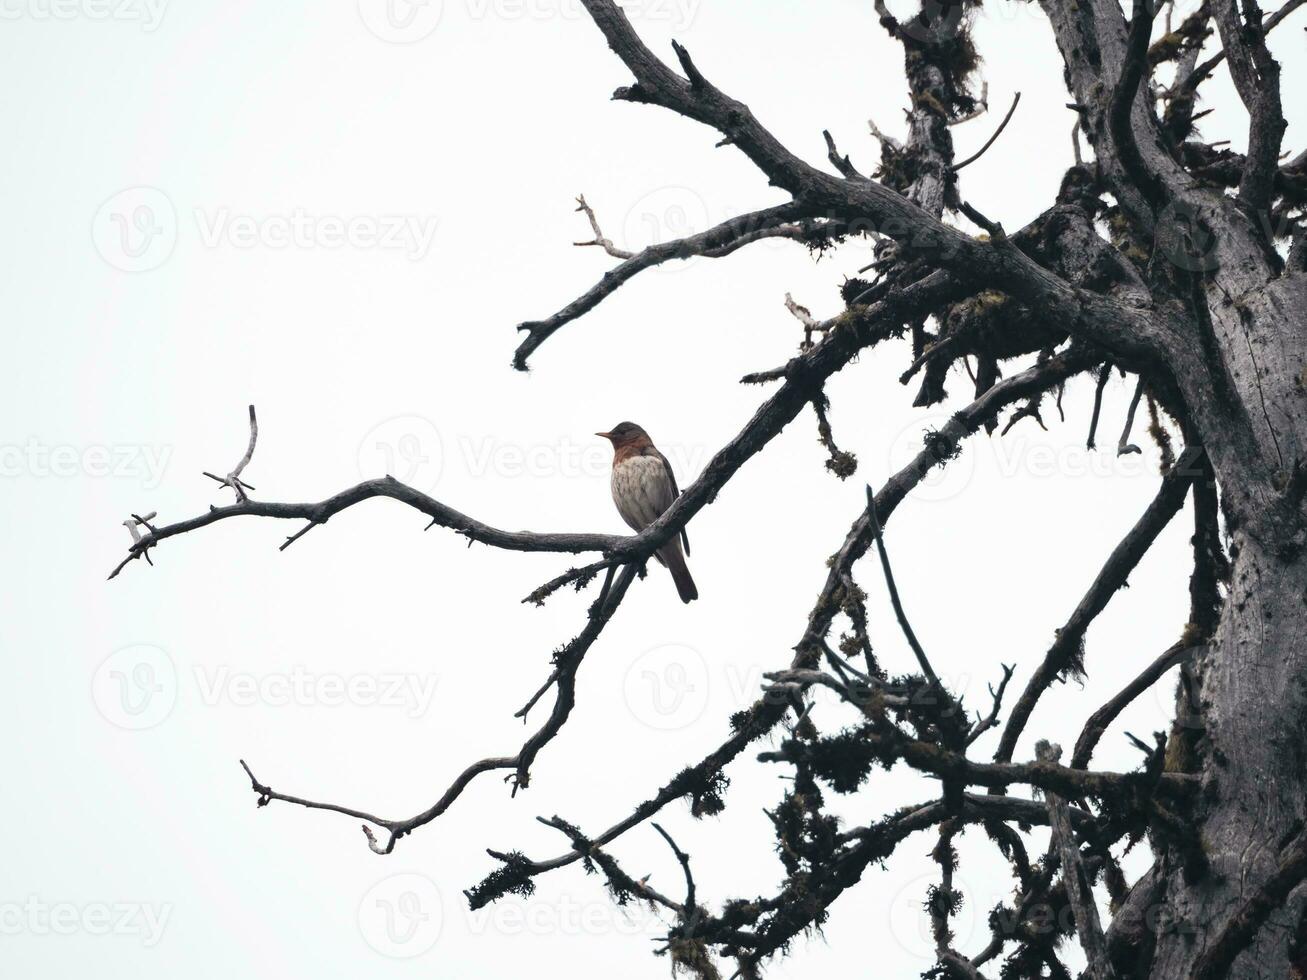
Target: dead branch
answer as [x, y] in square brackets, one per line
[997, 133]
[1104, 716]
[1065, 652]
[233, 479]
[1075, 877]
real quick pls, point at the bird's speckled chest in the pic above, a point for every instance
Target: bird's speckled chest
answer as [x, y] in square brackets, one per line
[641, 489]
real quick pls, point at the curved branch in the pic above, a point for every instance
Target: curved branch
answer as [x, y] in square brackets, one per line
[1065, 651]
[997, 133]
[1134, 70]
[909, 634]
[1104, 716]
[569, 661]
[716, 242]
[322, 511]
[233, 479]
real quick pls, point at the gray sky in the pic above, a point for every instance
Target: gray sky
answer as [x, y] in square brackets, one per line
[211, 204]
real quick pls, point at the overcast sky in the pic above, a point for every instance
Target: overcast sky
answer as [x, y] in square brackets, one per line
[339, 214]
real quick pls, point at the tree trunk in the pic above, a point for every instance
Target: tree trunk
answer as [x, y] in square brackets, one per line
[1252, 753]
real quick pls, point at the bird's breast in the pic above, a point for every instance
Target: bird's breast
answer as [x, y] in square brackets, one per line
[642, 490]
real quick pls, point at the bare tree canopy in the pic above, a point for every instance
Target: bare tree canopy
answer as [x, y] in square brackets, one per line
[1167, 258]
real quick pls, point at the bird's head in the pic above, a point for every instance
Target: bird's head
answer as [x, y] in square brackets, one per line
[627, 434]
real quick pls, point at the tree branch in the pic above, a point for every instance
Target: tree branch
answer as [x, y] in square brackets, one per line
[922, 660]
[1075, 878]
[716, 242]
[233, 479]
[569, 661]
[1257, 79]
[1104, 716]
[1066, 649]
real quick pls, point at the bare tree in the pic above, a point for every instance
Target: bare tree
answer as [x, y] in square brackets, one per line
[1164, 257]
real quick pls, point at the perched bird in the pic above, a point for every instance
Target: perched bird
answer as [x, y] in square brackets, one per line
[644, 487]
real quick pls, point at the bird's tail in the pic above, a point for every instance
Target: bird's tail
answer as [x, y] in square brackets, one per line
[675, 562]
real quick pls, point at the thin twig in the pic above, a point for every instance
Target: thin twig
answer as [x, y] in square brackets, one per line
[233, 479]
[1066, 650]
[1124, 446]
[1104, 716]
[1103, 376]
[990, 142]
[600, 240]
[689, 904]
[922, 660]
[991, 721]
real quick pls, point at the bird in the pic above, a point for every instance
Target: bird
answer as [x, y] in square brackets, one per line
[643, 487]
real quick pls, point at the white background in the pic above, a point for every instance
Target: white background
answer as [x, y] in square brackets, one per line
[121, 387]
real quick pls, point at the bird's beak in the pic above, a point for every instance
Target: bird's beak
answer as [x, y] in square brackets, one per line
[605, 435]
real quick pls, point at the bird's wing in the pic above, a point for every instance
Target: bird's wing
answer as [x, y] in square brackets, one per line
[676, 492]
